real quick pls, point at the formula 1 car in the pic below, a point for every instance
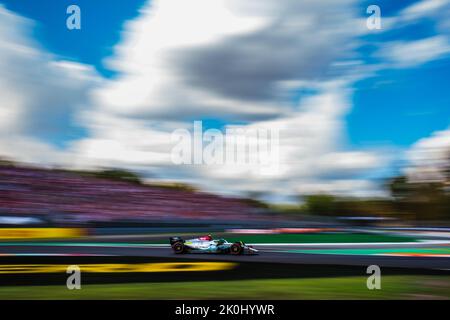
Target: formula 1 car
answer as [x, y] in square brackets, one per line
[206, 244]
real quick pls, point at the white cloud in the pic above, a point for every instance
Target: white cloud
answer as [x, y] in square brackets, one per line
[39, 93]
[406, 54]
[433, 10]
[429, 156]
[413, 53]
[423, 9]
[350, 187]
[209, 58]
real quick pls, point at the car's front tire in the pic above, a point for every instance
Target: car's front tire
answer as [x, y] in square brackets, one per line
[236, 248]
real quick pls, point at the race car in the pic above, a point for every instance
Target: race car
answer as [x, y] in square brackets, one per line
[206, 244]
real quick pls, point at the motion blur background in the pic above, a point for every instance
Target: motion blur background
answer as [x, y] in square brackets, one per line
[87, 116]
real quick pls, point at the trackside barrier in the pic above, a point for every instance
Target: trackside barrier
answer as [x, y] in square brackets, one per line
[120, 267]
[41, 233]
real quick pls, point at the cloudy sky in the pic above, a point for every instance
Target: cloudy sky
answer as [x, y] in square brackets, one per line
[353, 106]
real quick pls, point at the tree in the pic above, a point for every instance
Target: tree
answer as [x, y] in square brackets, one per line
[118, 174]
[321, 204]
[421, 200]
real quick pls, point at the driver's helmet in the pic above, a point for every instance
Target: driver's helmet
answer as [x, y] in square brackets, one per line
[206, 238]
[220, 241]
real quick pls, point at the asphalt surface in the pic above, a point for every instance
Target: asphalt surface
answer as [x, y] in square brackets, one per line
[268, 254]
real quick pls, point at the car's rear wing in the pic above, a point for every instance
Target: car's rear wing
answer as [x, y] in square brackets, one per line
[174, 240]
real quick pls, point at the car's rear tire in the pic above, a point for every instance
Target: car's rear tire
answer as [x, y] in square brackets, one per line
[236, 248]
[178, 247]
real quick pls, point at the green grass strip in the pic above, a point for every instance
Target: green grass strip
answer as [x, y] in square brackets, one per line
[320, 238]
[392, 287]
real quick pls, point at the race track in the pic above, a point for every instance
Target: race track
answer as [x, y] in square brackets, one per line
[323, 254]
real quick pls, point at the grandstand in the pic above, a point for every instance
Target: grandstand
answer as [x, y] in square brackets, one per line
[70, 198]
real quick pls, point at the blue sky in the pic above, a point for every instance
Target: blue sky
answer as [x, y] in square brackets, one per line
[401, 106]
[392, 107]
[410, 105]
[102, 23]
